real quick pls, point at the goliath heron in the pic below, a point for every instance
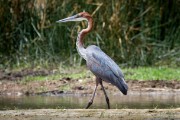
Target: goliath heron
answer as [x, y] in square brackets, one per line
[100, 64]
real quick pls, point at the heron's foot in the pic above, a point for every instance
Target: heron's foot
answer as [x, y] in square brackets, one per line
[89, 104]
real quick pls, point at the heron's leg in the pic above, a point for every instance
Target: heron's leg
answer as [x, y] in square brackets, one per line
[92, 98]
[107, 99]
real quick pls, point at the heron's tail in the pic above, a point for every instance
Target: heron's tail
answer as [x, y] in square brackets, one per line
[121, 84]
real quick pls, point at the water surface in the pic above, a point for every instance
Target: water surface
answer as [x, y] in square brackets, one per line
[76, 101]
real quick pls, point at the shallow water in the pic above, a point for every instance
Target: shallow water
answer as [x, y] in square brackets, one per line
[133, 100]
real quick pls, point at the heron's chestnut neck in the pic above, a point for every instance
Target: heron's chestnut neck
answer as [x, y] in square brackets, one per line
[81, 35]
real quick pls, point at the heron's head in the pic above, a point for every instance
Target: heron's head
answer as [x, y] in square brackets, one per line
[78, 17]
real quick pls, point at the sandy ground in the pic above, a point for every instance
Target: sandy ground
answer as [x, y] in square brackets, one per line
[91, 114]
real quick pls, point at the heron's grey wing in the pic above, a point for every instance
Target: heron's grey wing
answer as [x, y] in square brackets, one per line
[105, 68]
[99, 57]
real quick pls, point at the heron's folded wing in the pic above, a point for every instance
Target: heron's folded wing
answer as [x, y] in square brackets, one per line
[105, 60]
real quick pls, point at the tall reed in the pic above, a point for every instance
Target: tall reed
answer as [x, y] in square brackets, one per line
[134, 33]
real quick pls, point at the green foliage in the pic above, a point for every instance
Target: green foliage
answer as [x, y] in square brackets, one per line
[139, 73]
[131, 32]
[76, 75]
[152, 73]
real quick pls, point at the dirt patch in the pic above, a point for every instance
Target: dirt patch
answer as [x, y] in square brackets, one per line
[91, 114]
[18, 75]
[172, 84]
[10, 84]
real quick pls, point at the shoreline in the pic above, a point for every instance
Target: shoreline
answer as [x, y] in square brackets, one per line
[91, 114]
[66, 86]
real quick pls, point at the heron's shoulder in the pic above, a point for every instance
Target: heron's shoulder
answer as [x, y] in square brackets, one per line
[93, 51]
[93, 47]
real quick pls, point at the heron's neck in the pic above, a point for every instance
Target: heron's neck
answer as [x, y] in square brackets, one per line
[79, 43]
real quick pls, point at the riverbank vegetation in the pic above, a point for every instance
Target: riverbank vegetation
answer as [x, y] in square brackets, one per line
[76, 73]
[133, 33]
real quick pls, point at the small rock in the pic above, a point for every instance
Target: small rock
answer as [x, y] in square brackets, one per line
[79, 88]
[177, 86]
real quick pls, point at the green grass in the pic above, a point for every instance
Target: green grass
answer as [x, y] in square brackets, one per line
[152, 73]
[140, 73]
[58, 76]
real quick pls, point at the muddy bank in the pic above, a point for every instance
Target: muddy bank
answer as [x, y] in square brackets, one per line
[11, 83]
[68, 85]
[91, 114]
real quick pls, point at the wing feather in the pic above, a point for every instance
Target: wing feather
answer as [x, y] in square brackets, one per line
[100, 57]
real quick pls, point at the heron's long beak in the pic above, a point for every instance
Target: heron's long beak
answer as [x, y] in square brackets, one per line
[72, 18]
